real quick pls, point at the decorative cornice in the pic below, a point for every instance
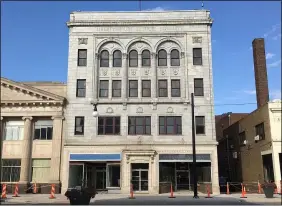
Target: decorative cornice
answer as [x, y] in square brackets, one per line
[31, 103]
[1, 118]
[29, 118]
[58, 117]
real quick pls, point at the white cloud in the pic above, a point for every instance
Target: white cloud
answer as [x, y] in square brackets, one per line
[269, 55]
[275, 94]
[273, 29]
[274, 64]
[157, 9]
[278, 36]
[251, 92]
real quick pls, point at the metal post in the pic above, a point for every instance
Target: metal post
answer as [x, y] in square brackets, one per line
[194, 150]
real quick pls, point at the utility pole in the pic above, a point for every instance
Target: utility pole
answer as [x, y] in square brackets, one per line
[195, 184]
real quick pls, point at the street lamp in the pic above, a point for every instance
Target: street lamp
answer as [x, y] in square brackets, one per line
[95, 112]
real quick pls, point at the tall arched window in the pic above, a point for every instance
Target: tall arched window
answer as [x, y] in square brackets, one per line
[104, 59]
[133, 58]
[174, 58]
[146, 58]
[162, 58]
[117, 58]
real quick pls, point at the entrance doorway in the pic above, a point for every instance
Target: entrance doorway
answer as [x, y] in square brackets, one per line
[100, 178]
[183, 180]
[139, 176]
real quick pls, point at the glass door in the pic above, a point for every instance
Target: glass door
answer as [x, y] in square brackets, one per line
[139, 176]
[100, 179]
[182, 180]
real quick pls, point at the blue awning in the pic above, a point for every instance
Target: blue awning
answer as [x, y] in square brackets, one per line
[95, 157]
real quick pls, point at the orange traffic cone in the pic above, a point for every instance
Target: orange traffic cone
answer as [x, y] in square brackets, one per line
[243, 191]
[208, 191]
[4, 191]
[171, 192]
[16, 192]
[34, 188]
[259, 188]
[52, 195]
[131, 192]
[227, 188]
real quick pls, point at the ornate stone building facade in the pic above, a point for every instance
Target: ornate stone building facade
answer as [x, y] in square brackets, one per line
[139, 70]
[32, 115]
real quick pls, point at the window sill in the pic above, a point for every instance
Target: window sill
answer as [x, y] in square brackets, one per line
[80, 97]
[42, 140]
[201, 134]
[82, 66]
[79, 135]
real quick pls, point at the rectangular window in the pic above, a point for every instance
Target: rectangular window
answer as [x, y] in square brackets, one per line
[242, 138]
[14, 130]
[79, 126]
[133, 88]
[199, 87]
[146, 88]
[163, 88]
[43, 129]
[139, 125]
[81, 88]
[82, 57]
[197, 56]
[175, 88]
[116, 88]
[200, 124]
[104, 88]
[108, 125]
[41, 170]
[113, 175]
[170, 125]
[260, 130]
[10, 170]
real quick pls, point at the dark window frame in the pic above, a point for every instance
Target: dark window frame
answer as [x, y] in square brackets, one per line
[146, 58]
[197, 57]
[115, 89]
[145, 89]
[117, 58]
[176, 127]
[135, 88]
[105, 59]
[13, 170]
[81, 58]
[114, 125]
[47, 129]
[197, 127]
[133, 58]
[102, 89]
[82, 88]
[175, 88]
[144, 125]
[162, 58]
[199, 88]
[175, 58]
[82, 121]
[242, 138]
[159, 88]
[260, 130]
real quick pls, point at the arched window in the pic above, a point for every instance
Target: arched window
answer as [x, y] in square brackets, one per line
[104, 59]
[117, 59]
[133, 58]
[162, 58]
[146, 58]
[174, 58]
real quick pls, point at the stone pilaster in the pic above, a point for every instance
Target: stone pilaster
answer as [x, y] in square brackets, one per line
[1, 135]
[214, 168]
[124, 88]
[56, 149]
[96, 77]
[154, 76]
[26, 151]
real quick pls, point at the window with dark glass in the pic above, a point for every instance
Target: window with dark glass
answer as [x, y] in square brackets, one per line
[200, 124]
[260, 130]
[242, 137]
[108, 125]
[175, 88]
[43, 129]
[133, 88]
[117, 59]
[116, 88]
[162, 58]
[81, 88]
[199, 87]
[174, 58]
[104, 59]
[10, 170]
[197, 56]
[79, 126]
[162, 88]
[133, 58]
[139, 125]
[146, 58]
[146, 88]
[170, 125]
[82, 57]
[104, 88]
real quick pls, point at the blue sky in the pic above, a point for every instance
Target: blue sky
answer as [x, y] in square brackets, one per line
[34, 42]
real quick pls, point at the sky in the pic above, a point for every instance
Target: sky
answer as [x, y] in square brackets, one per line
[34, 43]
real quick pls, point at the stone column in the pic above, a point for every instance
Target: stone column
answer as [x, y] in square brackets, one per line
[214, 171]
[56, 149]
[26, 151]
[95, 77]
[1, 135]
[154, 76]
[276, 166]
[124, 89]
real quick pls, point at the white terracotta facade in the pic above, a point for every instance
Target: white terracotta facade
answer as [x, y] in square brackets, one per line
[127, 31]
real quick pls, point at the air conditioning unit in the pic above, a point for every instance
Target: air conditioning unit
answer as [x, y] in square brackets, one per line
[257, 138]
[245, 142]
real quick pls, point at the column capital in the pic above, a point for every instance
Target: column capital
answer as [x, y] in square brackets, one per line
[58, 117]
[124, 55]
[154, 55]
[24, 118]
[1, 118]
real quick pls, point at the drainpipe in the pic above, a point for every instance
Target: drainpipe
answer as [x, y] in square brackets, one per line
[228, 149]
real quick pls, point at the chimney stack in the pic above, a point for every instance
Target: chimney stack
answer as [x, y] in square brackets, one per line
[260, 72]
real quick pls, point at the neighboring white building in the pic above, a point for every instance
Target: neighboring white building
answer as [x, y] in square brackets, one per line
[140, 68]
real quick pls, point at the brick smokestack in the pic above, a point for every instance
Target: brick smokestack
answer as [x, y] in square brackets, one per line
[260, 72]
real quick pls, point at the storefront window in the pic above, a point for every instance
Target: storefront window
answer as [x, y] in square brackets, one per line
[75, 175]
[113, 175]
[204, 171]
